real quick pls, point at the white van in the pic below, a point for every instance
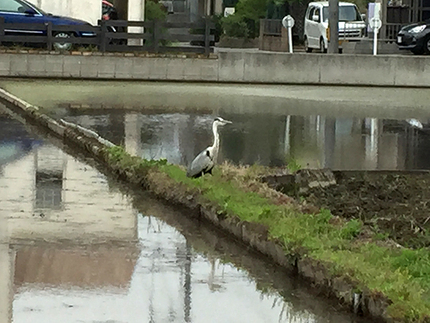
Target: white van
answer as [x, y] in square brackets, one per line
[351, 25]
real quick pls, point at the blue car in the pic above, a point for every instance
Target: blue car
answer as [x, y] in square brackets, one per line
[21, 11]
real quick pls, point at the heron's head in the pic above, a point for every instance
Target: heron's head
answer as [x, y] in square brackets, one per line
[220, 121]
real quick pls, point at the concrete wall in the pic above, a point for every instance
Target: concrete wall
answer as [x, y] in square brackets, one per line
[108, 67]
[324, 69]
[87, 10]
[226, 66]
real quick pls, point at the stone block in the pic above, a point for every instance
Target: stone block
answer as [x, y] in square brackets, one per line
[5, 64]
[89, 66]
[54, 65]
[347, 69]
[141, 68]
[72, 66]
[231, 66]
[192, 69]
[123, 67]
[19, 65]
[208, 70]
[175, 69]
[410, 71]
[37, 65]
[210, 215]
[106, 66]
[232, 225]
[158, 68]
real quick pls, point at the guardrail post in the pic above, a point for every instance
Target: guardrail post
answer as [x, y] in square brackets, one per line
[207, 35]
[49, 39]
[102, 40]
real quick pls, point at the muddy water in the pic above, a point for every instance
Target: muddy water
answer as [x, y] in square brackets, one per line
[306, 126]
[267, 139]
[76, 246]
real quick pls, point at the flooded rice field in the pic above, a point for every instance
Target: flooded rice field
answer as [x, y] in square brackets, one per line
[76, 246]
[317, 127]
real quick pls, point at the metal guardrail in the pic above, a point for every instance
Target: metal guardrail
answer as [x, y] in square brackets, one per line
[115, 35]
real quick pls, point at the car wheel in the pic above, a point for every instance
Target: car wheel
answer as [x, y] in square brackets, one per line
[427, 46]
[322, 47]
[306, 43]
[62, 46]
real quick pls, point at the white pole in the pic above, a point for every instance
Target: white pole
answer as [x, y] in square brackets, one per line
[288, 22]
[290, 40]
[375, 40]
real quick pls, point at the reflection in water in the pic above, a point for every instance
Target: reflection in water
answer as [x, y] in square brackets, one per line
[311, 141]
[94, 255]
[222, 271]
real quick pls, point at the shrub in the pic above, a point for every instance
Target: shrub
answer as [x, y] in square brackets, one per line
[235, 26]
[154, 10]
[245, 22]
[216, 31]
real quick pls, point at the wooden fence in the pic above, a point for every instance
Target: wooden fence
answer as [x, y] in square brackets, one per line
[116, 35]
[392, 29]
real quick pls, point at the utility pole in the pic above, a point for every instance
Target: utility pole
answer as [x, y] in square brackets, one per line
[333, 22]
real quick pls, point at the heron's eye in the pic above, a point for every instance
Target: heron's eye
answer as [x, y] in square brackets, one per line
[218, 119]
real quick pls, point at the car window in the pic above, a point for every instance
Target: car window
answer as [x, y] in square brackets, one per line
[311, 13]
[13, 6]
[317, 13]
[346, 13]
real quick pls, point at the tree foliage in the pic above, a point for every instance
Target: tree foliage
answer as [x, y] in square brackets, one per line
[154, 10]
[245, 22]
[235, 26]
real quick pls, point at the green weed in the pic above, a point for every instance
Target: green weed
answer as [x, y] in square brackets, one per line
[293, 165]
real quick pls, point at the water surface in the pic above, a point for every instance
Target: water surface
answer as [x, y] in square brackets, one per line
[310, 126]
[76, 246]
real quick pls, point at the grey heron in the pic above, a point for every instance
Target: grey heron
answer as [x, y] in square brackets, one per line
[205, 161]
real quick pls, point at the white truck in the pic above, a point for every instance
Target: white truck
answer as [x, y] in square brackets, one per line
[316, 28]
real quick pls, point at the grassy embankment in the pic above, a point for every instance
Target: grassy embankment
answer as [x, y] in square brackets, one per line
[344, 247]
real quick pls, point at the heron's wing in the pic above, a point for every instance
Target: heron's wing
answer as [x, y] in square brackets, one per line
[200, 164]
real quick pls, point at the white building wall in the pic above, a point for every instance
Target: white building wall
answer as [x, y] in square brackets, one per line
[136, 12]
[87, 10]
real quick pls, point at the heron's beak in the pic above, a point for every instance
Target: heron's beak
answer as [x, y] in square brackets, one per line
[227, 122]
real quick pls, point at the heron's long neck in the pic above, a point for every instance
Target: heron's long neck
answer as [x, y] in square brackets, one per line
[215, 146]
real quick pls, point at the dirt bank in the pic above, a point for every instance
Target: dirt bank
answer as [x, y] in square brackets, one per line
[393, 204]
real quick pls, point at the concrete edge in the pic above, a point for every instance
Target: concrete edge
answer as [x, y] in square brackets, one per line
[251, 234]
